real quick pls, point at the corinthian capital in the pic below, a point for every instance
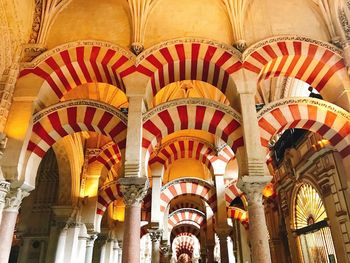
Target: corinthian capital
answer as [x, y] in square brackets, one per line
[133, 189]
[253, 186]
[4, 189]
[155, 234]
[14, 199]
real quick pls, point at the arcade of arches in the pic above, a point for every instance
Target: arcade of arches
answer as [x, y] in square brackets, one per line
[174, 131]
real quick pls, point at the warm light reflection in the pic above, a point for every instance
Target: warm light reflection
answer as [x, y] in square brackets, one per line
[118, 212]
[323, 142]
[269, 190]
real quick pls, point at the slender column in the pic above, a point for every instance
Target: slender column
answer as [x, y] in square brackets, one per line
[134, 190]
[115, 251]
[223, 234]
[61, 245]
[109, 250]
[82, 240]
[9, 218]
[253, 186]
[90, 248]
[4, 189]
[156, 235]
[210, 253]
[157, 174]
[120, 251]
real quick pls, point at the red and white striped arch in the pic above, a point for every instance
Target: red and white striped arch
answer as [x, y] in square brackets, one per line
[60, 120]
[319, 64]
[194, 113]
[231, 192]
[109, 156]
[184, 244]
[190, 59]
[324, 118]
[73, 64]
[106, 195]
[188, 186]
[238, 214]
[185, 215]
[190, 148]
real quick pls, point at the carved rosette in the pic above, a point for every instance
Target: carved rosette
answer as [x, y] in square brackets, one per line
[253, 186]
[133, 189]
[155, 235]
[14, 199]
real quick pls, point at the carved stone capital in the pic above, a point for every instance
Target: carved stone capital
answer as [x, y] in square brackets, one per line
[253, 186]
[240, 45]
[164, 249]
[222, 233]
[91, 240]
[134, 189]
[4, 189]
[14, 199]
[155, 234]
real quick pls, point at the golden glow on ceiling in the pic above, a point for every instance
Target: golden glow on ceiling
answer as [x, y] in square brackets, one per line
[186, 168]
[309, 208]
[99, 91]
[204, 135]
[189, 89]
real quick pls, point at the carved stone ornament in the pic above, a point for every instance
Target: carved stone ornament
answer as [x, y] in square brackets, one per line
[155, 234]
[164, 249]
[4, 189]
[134, 189]
[253, 186]
[137, 48]
[14, 199]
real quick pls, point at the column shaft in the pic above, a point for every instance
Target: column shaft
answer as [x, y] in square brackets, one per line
[9, 218]
[7, 228]
[131, 240]
[61, 245]
[4, 189]
[223, 249]
[90, 248]
[258, 233]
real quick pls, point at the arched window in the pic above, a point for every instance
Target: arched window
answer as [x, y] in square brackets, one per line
[310, 223]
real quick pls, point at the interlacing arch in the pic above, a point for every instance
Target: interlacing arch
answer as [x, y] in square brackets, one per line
[65, 118]
[187, 186]
[317, 63]
[186, 214]
[193, 113]
[191, 148]
[239, 214]
[184, 245]
[106, 195]
[231, 192]
[190, 59]
[73, 64]
[109, 156]
[324, 118]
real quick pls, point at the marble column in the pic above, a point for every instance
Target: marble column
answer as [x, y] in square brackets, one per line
[4, 189]
[134, 190]
[61, 245]
[12, 204]
[253, 186]
[120, 251]
[90, 248]
[210, 253]
[223, 234]
[115, 251]
[82, 241]
[156, 235]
